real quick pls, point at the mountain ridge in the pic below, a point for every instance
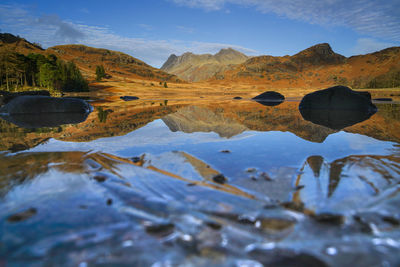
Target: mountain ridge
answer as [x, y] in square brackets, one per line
[196, 67]
[317, 67]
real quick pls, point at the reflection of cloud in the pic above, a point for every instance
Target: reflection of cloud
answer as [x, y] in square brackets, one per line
[368, 45]
[51, 30]
[378, 18]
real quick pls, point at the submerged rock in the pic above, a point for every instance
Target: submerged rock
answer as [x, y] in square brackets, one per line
[269, 98]
[129, 98]
[44, 104]
[336, 107]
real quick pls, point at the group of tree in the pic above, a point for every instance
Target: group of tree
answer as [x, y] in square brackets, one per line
[18, 70]
[100, 73]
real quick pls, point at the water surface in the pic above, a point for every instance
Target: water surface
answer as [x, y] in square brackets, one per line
[201, 183]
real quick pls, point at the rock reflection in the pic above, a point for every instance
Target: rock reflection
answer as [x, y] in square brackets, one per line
[334, 119]
[30, 121]
[347, 183]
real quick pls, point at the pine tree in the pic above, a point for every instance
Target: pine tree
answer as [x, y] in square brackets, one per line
[100, 73]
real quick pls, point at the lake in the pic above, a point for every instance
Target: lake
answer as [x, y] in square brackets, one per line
[198, 182]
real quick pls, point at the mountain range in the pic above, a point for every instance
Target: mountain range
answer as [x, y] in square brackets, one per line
[317, 66]
[194, 68]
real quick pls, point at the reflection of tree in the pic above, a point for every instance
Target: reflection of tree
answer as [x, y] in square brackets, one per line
[366, 175]
[102, 114]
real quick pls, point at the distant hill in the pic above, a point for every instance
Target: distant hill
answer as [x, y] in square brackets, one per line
[19, 44]
[318, 66]
[116, 64]
[194, 68]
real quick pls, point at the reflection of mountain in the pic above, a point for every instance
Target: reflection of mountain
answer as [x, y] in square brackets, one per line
[199, 119]
[328, 183]
[122, 120]
[227, 118]
[285, 117]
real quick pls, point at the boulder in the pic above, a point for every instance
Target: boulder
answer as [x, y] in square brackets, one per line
[129, 98]
[270, 98]
[8, 96]
[364, 93]
[337, 97]
[237, 98]
[44, 104]
[336, 107]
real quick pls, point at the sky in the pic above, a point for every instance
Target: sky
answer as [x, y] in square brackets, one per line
[151, 30]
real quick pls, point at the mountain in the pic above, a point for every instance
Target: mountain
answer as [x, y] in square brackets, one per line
[318, 67]
[116, 64]
[194, 68]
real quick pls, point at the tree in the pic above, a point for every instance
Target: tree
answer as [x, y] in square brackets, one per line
[165, 85]
[100, 73]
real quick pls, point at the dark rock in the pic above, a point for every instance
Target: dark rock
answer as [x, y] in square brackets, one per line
[219, 178]
[8, 96]
[337, 97]
[109, 202]
[285, 258]
[336, 107]
[388, 99]
[100, 178]
[329, 218]
[129, 98]
[365, 94]
[214, 225]
[22, 216]
[160, 230]
[45, 104]
[269, 98]
[237, 97]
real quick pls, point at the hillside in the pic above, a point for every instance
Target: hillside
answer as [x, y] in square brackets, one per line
[116, 64]
[318, 67]
[194, 68]
[19, 44]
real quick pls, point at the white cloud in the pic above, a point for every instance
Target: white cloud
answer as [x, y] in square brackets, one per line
[185, 29]
[379, 18]
[51, 30]
[369, 45]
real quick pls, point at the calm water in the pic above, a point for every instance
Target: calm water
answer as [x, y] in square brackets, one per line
[199, 183]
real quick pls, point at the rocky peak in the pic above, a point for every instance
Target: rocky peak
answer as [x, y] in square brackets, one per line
[170, 62]
[227, 55]
[318, 55]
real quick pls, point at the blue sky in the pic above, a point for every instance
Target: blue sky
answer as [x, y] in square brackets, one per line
[153, 29]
